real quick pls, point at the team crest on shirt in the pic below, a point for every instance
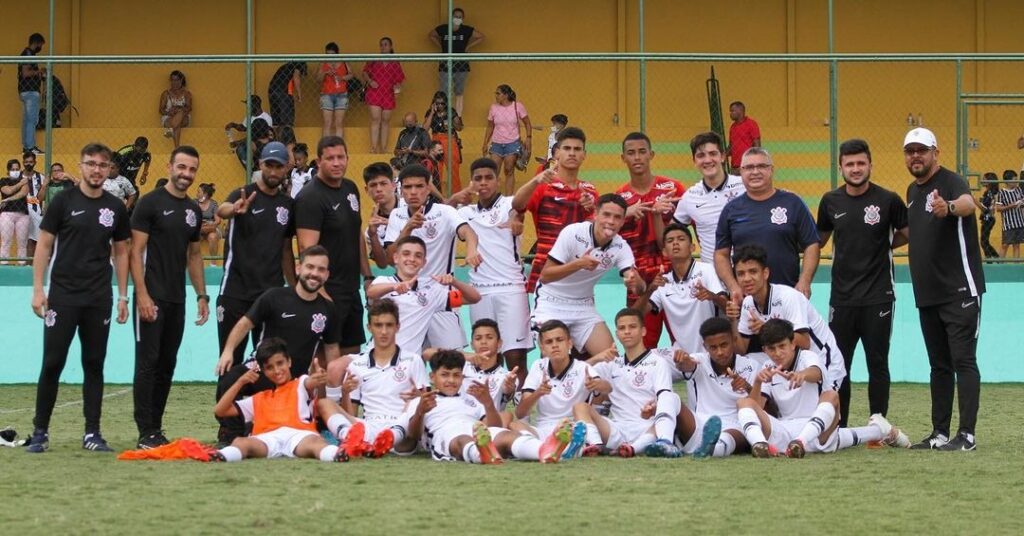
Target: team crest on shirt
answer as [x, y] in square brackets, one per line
[50, 318]
[400, 374]
[639, 378]
[319, 322]
[567, 388]
[106, 217]
[430, 228]
[282, 215]
[779, 216]
[190, 217]
[493, 217]
[871, 216]
[606, 261]
[421, 299]
[626, 195]
[353, 202]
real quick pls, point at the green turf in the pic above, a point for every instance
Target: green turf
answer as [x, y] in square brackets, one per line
[68, 490]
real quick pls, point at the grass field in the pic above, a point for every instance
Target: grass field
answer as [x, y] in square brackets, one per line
[68, 490]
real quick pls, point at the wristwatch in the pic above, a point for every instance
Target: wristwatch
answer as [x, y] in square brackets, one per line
[203, 297]
[951, 207]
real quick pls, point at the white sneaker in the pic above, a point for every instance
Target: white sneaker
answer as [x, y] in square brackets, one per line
[894, 437]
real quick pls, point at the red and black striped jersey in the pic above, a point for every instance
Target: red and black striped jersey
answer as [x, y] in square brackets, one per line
[639, 233]
[554, 206]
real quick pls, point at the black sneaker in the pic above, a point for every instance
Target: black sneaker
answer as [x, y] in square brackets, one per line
[152, 441]
[39, 443]
[35, 150]
[96, 443]
[962, 441]
[934, 441]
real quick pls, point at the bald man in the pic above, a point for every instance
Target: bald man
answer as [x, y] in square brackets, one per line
[413, 141]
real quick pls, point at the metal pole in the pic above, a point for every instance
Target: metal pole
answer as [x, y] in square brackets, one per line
[48, 137]
[643, 72]
[449, 158]
[833, 105]
[248, 91]
[960, 127]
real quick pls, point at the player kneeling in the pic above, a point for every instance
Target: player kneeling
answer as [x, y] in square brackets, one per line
[636, 378]
[467, 426]
[282, 419]
[808, 421]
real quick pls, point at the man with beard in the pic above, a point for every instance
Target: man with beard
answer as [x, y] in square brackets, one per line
[165, 238]
[83, 222]
[945, 268]
[327, 214]
[258, 244]
[412, 143]
[300, 315]
[868, 221]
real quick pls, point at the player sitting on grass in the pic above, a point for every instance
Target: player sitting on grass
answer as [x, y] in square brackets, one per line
[636, 378]
[808, 421]
[419, 298]
[467, 427]
[283, 425]
[380, 380]
[716, 380]
[486, 366]
[555, 384]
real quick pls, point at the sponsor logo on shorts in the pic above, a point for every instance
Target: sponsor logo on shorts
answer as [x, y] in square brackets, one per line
[220, 314]
[50, 318]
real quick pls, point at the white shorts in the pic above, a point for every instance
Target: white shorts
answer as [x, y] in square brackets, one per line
[34, 219]
[581, 318]
[784, 431]
[439, 441]
[511, 310]
[445, 331]
[546, 428]
[635, 433]
[281, 443]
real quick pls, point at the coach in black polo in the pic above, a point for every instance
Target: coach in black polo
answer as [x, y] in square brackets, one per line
[327, 214]
[258, 243]
[165, 238]
[867, 222]
[74, 243]
[945, 267]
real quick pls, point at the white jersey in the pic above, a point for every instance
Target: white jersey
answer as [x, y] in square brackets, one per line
[502, 268]
[120, 186]
[380, 389]
[304, 407]
[702, 206]
[684, 313]
[495, 376]
[635, 384]
[439, 231]
[790, 304]
[415, 309]
[796, 403]
[458, 412]
[567, 389]
[572, 243]
[708, 393]
[300, 179]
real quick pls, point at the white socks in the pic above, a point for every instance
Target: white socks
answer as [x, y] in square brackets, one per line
[850, 437]
[668, 409]
[527, 447]
[470, 453]
[338, 425]
[593, 435]
[820, 420]
[751, 426]
[231, 454]
[726, 445]
[327, 453]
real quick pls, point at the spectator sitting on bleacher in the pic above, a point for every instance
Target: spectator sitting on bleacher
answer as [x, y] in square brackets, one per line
[55, 183]
[261, 135]
[119, 185]
[413, 142]
[255, 112]
[175, 107]
[209, 232]
[135, 157]
[302, 172]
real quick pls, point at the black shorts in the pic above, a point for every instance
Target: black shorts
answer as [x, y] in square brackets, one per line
[348, 307]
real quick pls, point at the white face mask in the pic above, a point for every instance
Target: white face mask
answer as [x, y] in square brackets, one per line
[457, 21]
[16, 174]
[554, 128]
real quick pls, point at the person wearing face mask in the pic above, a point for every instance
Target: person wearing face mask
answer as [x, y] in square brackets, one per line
[13, 212]
[463, 37]
[434, 162]
[413, 141]
[34, 181]
[438, 117]
[30, 81]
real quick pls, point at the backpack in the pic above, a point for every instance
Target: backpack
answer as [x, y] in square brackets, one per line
[61, 102]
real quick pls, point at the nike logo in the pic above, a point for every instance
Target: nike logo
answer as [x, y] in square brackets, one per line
[168, 212]
[910, 204]
[77, 212]
[261, 210]
[840, 215]
[106, 322]
[335, 206]
[287, 315]
[966, 304]
[883, 314]
[520, 339]
[560, 198]
[701, 205]
[667, 294]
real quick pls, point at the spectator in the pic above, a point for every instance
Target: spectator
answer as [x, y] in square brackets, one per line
[133, 158]
[558, 122]
[333, 78]
[434, 162]
[13, 212]
[743, 133]
[209, 232]
[988, 213]
[120, 186]
[502, 140]
[437, 117]
[35, 207]
[30, 81]
[1009, 203]
[284, 91]
[777, 220]
[463, 38]
[57, 182]
[176, 107]
[413, 142]
[302, 172]
[383, 80]
[261, 135]
[255, 112]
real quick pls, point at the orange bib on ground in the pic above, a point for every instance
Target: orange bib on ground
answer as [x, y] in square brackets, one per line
[278, 408]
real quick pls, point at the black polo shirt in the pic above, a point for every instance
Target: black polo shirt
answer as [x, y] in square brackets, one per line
[335, 213]
[172, 223]
[253, 244]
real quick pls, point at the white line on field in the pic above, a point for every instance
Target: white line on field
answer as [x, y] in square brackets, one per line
[65, 404]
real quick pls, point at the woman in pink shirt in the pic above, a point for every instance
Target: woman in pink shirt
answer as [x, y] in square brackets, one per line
[502, 141]
[383, 80]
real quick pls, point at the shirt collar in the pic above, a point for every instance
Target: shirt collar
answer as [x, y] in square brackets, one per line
[551, 370]
[593, 239]
[394, 360]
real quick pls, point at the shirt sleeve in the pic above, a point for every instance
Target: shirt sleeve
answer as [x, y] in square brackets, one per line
[234, 195]
[957, 186]
[743, 325]
[332, 332]
[259, 310]
[521, 110]
[594, 372]
[490, 113]
[245, 407]
[53, 216]
[122, 229]
[535, 376]
[824, 222]
[682, 215]
[794, 309]
[129, 188]
[657, 300]
[536, 198]
[308, 213]
[142, 217]
[418, 373]
[196, 231]
[766, 388]
[805, 227]
[561, 251]
[723, 234]
[393, 229]
[662, 377]
[625, 259]
[897, 213]
[712, 283]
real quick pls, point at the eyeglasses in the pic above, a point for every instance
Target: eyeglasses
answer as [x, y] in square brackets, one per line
[911, 151]
[756, 167]
[93, 165]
